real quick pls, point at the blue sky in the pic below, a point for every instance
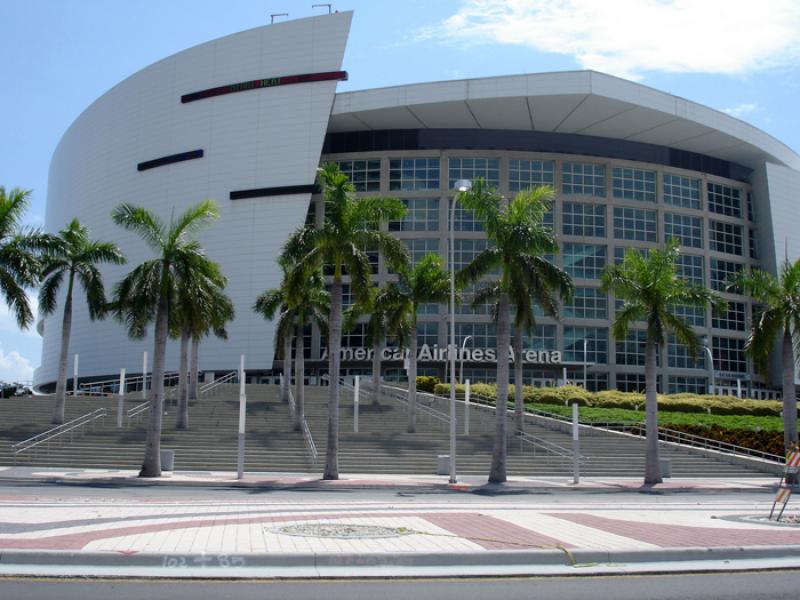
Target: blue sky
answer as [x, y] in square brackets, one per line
[738, 56]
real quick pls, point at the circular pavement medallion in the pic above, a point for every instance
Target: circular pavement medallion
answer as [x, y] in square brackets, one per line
[341, 530]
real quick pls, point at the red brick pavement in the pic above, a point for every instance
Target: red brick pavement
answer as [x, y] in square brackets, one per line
[684, 536]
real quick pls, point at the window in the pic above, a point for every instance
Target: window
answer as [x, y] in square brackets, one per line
[583, 179]
[467, 296]
[422, 214]
[691, 267]
[729, 355]
[472, 169]
[465, 251]
[356, 337]
[733, 319]
[587, 303]
[307, 338]
[408, 174]
[631, 382]
[419, 248]
[544, 338]
[596, 347]
[682, 191]
[483, 335]
[750, 211]
[476, 375]
[464, 220]
[584, 261]
[678, 384]
[620, 252]
[688, 230]
[679, 357]
[693, 315]
[751, 234]
[630, 351]
[427, 333]
[525, 174]
[725, 237]
[633, 184]
[724, 200]
[635, 224]
[365, 175]
[584, 219]
[722, 273]
[596, 382]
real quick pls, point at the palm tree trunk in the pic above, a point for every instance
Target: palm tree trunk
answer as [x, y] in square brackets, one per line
[151, 466]
[194, 368]
[497, 474]
[652, 468]
[519, 401]
[376, 371]
[287, 367]
[183, 383]
[299, 375]
[334, 360]
[66, 330]
[789, 397]
[412, 378]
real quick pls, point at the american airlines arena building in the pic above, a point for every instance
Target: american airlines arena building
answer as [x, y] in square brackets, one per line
[247, 119]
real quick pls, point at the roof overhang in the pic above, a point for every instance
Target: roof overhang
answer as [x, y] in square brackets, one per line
[580, 102]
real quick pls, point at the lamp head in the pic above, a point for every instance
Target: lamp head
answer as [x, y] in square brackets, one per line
[463, 185]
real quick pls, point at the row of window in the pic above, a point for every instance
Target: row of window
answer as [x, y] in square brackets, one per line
[577, 178]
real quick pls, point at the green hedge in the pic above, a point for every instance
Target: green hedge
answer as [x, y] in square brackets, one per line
[427, 383]
[570, 394]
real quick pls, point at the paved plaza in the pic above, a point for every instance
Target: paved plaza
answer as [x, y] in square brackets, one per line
[203, 524]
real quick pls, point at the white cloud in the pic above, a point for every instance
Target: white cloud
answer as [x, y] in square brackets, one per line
[742, 109]
[630, 37]
[15, 367]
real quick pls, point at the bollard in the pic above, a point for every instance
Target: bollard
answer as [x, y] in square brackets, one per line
[466, 407]
[75, 377]
[576, 446]
[121, 399]
[242, 417]
[355, 402]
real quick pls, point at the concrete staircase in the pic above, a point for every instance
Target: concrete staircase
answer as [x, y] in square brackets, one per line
[381, 445]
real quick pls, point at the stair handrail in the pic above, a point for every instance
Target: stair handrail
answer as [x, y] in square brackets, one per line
[136, 411]
[57, 431]
[307, 437]
[231, 377]
[90, 387]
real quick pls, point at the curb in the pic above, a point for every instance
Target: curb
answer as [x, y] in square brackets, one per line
[396, 564]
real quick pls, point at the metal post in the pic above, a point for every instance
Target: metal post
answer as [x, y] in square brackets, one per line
[466, 407]
[576, 446]
[738, 388]
[462, 186]
[355, 402]
[144, 376]
[564, 376]
[242, 416]
[121, 399]
[461, 358]
[712, 386]
[75, 377]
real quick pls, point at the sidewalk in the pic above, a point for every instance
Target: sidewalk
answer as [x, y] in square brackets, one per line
[294, 526]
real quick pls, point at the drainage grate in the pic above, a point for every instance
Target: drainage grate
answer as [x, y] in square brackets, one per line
[341, 530]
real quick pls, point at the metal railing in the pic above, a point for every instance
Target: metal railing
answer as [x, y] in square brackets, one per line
[136, 412]
[108, 387]
[213, 386]
[307, 437]
[70, 427]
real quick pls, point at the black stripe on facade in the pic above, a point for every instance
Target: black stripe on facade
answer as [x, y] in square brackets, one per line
[284, 190]
[168, 160]
[268, 82]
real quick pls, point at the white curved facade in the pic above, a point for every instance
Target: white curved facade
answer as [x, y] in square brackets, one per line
[271, 138]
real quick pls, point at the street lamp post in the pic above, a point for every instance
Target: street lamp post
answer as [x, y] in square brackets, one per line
[461, 358]
[461, 186]
[712, 386]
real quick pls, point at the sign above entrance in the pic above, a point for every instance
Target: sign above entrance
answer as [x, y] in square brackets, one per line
[434, 353]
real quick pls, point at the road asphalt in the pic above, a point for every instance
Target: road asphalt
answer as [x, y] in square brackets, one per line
[99, 523]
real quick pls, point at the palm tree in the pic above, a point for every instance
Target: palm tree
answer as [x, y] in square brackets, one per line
[199, 302]
[428, 281]
[221, 312]
[778, 318]
[72, 253]
[518, 242]
[151, 291]
[19, 264]
[351, 227]
[650, 287]
[311, 303]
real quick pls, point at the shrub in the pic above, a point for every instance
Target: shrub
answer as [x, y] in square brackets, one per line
[427, 383]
